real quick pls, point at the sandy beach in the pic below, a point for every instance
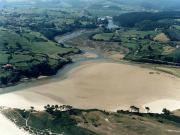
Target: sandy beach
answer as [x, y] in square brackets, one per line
[13, 129]
[102, 85]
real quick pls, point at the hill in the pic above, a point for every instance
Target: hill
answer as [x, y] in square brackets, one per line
[64, 119]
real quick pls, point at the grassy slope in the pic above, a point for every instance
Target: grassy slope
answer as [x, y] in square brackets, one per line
[92, 122]
[26, 51]
[30, 42]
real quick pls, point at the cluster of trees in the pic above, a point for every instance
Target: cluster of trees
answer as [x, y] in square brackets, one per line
[59, 111]
[9, 77]
[145, 18]
[166, 111]
[51, 109]
[135, 109]
[173, 34]
[31, 69]
[51, 32]
[151, 25]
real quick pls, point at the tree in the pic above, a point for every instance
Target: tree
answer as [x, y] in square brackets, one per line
[56, 107]
[137, 110]
[49, 109]
[166, 111]
[147, 109]
[32, 109]
[65, 107]
[134, 109]
[45, 107]
[150, 48]
[48, 106]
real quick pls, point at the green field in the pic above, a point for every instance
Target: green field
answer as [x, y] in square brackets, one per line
[144, 46]
[103, 36]
[23, 49]
[26, 52]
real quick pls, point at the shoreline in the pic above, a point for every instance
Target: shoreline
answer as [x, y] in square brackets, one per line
[87, 86]
[22, 79]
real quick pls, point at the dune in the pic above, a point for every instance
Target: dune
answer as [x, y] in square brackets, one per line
[103, 85]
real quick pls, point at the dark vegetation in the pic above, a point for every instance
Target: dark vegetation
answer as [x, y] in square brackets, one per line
[134, 18]
[173, 33]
